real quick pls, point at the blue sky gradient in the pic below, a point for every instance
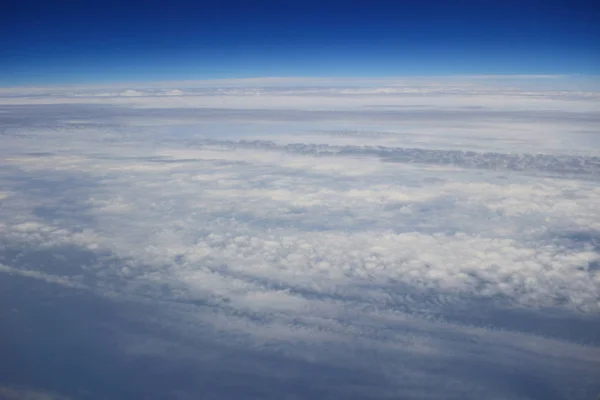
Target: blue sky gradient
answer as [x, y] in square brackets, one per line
[91, 42]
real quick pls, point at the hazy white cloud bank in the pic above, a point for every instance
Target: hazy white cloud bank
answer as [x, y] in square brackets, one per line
[405, 240]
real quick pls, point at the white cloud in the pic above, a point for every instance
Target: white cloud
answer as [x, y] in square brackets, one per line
[309, 217]
[130, 92]
[57, 280]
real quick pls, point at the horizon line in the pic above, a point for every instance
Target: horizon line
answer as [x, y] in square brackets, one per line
[276, 80]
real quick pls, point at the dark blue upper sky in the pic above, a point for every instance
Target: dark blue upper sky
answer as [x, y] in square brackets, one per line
[105, 41]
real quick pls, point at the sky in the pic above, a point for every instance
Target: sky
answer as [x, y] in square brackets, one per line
[63, 42]
[299, 200]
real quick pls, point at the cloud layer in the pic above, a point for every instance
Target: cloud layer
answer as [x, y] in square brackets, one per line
[454, 226]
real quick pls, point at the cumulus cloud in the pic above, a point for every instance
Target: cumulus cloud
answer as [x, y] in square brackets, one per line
[436, 223]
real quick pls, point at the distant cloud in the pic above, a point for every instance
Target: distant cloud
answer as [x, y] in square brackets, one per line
[130, 92]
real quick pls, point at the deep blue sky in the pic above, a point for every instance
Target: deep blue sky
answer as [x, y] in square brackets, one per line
[103, 41]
